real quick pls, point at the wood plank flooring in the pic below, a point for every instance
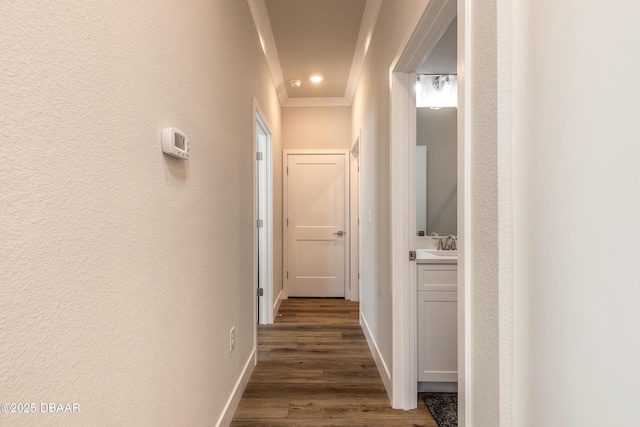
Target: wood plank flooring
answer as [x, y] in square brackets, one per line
[315, 369]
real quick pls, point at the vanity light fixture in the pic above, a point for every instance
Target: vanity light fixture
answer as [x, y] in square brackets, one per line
[316, 78]
[436, 91]
[442, 83]
[295, 83]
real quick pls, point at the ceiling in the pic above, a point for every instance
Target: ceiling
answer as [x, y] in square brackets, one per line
[330, 38]
[301, 38]
[311, 38]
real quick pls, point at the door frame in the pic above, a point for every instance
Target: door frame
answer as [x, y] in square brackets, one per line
[265, 256]
[437, 16]
[285, 230]
[354, 218]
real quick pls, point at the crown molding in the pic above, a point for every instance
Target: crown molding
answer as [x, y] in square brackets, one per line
[317, 102]
[263, 26]
[369, 19]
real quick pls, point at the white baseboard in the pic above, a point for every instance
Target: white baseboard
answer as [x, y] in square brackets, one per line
[276, 305]
[232, 404]
[385, 374]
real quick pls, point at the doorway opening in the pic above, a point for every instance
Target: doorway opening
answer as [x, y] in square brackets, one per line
[316, 223]
[263, 218]
[434, 22]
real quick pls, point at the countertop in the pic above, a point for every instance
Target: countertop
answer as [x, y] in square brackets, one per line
[425, 257]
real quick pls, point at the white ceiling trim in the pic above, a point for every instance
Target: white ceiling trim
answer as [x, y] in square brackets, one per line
[317, 102]
[263, 26]
[369, 19]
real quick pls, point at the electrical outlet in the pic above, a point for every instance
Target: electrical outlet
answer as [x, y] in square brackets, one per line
[232, 339]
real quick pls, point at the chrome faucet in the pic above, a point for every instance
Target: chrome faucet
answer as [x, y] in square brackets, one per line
[435, 236]
[450, 245]
[445, 243]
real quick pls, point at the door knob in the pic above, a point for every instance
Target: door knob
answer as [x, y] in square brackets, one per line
[340, 233]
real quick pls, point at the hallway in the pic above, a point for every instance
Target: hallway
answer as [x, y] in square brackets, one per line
[315, 369]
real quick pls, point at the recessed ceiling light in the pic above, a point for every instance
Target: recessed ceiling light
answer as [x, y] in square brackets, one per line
[295, 83]
[316, 78]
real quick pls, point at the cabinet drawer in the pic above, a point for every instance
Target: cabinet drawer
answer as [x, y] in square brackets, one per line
[438, 277]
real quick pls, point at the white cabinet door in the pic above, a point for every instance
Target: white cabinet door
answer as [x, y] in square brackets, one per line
[437, 324]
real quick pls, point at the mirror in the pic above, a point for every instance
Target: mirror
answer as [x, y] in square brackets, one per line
[436, 171]
[436, 139]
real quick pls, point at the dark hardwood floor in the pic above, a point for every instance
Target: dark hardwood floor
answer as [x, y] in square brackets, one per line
[315, 369]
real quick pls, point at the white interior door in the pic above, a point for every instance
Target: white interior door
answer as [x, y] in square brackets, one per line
[261, 230]
[316, 230]
[263, 242]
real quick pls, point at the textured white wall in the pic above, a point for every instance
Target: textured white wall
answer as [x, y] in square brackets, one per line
[370, 113]
[484, 241]
[553, 152]
[123, 269]
[577, 342]
[318, 128]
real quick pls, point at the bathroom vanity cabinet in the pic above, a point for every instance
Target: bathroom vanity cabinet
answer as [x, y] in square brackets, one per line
[437, 322]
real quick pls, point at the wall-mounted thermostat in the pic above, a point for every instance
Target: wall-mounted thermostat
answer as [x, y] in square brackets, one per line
[175, 143]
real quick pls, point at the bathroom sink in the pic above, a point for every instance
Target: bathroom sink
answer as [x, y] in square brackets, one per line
[442, 253]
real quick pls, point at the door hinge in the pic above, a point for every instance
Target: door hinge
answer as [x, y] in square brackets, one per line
[260, 292]
[287, 222]
[259, 223]
[358, 276]
[287, 170]
[259, 156]
[412, 255]
[287, 274]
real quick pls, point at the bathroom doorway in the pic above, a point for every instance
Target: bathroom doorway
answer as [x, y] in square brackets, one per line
[434, 22]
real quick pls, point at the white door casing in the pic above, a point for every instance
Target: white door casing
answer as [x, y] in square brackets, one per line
[354, 217]
[315, 223]
[437, 16]
[261, 230]
[263, 210]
